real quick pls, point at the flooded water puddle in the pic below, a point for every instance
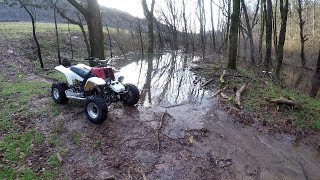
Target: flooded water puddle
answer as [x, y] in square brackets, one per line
[185, 114]
[164, 79]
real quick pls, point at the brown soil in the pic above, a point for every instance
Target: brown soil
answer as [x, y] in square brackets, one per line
[189, 141]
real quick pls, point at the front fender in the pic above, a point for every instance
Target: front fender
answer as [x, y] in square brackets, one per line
[117, 86]
[93, 82]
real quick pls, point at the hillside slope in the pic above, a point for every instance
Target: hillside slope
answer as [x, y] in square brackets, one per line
[113, 17]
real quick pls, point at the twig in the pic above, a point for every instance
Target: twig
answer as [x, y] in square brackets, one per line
[159, 129]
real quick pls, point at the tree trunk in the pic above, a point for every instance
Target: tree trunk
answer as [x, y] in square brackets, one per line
[249, 32]
[282, 36]
[185, 23]
[275, 28]
[110, 42]
[161, 46]
[268, 18]
[262, 23]
[303, 38]
[140, 37]
[57, 34]
[228, 22]
[235, 20]
[316, 80]
[94, 23]
[70, 40]
[149, 16]
[212, 27]
[202, 26]
[93, 18]
[34, 33]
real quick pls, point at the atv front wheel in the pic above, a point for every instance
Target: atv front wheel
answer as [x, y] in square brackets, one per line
[58, 93]
[132, 96]
[96, 110]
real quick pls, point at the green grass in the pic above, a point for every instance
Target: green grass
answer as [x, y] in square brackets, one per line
[76, 138]
[17, 143]
[306, 117]
[15, 148]
[23, 29]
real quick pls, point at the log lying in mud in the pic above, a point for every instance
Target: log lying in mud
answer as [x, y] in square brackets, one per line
[285, 101]
[238, 94]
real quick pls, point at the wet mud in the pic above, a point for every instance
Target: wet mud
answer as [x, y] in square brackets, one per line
[176, 132]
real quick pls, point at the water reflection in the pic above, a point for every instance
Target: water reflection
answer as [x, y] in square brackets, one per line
[164, 79]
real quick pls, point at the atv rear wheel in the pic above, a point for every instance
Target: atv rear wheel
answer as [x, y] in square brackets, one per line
[132, 96]
[96, 110]
[58, 93]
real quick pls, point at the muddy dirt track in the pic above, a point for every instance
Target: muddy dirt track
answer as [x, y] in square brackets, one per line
[172, 138]
[183, 142]
[176, 132]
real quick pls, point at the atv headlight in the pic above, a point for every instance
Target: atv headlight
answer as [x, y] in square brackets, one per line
[120, 79]
[108, 81]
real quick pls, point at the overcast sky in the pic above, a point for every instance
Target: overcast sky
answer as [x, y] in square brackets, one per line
[134, 8]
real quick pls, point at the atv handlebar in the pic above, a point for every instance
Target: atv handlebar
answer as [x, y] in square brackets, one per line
[100, 63]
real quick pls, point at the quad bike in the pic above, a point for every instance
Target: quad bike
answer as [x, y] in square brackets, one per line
[98, 86]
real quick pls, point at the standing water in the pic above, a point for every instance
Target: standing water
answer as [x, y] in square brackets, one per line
[164, 80]
[167, 85]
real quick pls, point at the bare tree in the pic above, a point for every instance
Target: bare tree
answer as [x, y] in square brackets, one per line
[262, 25]
[202, 21]
[249, 29]
[110, 41]
[149, 16]
[70, 40]
[315, 85]
[80, 24]
[185, 28]
[34, 32]
[268, 18]
[303, 38]
[235, 20]
[212, 27]
[282, 36]
[56, 29]
[140, 37]
[170, 17]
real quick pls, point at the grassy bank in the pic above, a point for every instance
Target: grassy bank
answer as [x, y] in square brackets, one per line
[259, 88]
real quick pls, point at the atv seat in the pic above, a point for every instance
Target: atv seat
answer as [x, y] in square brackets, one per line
[82, 72]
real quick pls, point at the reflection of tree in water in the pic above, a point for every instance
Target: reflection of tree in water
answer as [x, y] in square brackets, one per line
[166, 79]
[146, 90]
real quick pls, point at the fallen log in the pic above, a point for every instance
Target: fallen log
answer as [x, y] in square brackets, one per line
[282, 100]
[220, 91]
[238, 94]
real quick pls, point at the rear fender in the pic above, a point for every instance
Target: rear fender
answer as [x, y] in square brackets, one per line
[69, 74]
[93, 82]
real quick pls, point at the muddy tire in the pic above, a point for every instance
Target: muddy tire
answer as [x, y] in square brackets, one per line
[132, 96]
[96, 110]
[58, 93]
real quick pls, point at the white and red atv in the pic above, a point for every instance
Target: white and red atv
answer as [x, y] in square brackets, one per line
[98, 86]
